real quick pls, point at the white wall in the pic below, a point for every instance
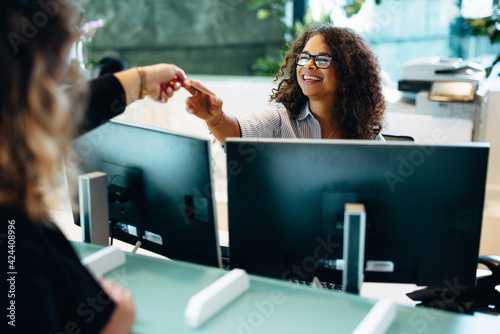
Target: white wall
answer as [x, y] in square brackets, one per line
[492, 134]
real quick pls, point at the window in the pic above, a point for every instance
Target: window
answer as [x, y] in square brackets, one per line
[402, 30]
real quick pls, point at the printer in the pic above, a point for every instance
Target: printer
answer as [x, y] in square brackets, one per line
[448, 88]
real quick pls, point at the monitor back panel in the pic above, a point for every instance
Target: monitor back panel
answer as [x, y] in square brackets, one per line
[424, 207]
[169, 176]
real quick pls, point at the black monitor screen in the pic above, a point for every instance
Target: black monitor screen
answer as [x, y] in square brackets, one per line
[423, 204]
[160, 188]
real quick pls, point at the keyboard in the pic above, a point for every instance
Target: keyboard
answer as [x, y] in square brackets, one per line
[226, 265]
[325, 285]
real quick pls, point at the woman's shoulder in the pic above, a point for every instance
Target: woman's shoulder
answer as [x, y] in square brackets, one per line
[279, 110]
[50, 273]
[36, 242]
[273, 112]
[275, 107]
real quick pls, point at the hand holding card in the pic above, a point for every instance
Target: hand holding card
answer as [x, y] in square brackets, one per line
[203, 104]
[189, 86]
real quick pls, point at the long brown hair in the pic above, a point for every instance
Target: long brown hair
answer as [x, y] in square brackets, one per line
[35, 124]
[360, 105]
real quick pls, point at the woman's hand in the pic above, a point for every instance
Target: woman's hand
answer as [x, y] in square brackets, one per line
[206, 107]
[160, 81]
[123, 315]
[209, 108]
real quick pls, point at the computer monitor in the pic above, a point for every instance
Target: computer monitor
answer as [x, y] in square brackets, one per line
[160, 188]
[423, 203]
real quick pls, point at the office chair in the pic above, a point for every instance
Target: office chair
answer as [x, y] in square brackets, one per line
[397, 138]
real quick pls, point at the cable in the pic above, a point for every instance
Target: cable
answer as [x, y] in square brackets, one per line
[137, 245]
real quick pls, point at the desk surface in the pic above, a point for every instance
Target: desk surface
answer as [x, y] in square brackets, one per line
[162, 289]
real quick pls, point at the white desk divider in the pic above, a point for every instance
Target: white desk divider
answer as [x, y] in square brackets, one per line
[206, 303]
[103, 261]
[379, 319]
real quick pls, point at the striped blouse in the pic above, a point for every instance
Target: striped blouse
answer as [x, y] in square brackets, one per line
[275, 122]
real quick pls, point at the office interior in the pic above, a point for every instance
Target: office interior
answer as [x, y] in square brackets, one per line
[409, 46]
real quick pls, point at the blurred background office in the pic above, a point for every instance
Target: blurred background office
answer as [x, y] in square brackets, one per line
[245, 37]
[236, 47]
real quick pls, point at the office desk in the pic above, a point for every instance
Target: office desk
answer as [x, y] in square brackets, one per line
[162, 289]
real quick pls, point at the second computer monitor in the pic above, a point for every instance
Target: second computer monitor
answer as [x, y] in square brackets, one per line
[160, 188]
[424, 208]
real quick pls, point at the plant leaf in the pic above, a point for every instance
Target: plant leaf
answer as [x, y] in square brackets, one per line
[256, 4]
[263, 14]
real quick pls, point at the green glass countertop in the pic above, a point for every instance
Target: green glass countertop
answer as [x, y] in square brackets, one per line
[162, 289]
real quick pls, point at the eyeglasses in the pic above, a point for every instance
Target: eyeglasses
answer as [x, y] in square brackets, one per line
[321, 61]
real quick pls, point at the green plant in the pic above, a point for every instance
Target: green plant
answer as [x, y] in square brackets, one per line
[275, 9]
[266, 65]
[489, 26]
[269, 64]
[270, 8]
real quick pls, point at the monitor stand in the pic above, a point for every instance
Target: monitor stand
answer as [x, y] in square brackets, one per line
[94, 215]
[94, 197]
[353, 263]
[354, 247]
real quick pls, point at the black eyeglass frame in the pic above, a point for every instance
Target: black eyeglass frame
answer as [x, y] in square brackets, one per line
[314, 59]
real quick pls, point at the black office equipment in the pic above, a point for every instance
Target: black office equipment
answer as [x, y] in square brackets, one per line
[160, 188]
[423, 203]
[481, 298]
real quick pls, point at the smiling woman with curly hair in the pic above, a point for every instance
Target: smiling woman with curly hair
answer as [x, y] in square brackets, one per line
[330, 89]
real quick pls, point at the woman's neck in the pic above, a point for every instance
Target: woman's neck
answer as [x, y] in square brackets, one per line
[322, 111]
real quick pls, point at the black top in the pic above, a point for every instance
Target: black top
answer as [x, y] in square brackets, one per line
[107, 100]
[49, 291]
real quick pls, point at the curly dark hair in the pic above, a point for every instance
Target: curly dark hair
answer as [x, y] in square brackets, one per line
[360, 105]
